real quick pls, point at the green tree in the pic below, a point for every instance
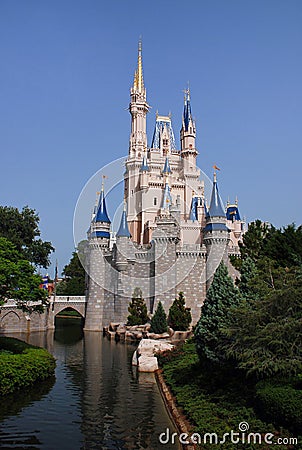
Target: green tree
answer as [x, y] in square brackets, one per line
[138, 313]
[248, 273]
[179, 317]
[22, 229]
[254, 239]
[159, 320]
[264, 337]
[221, 297]
[18, 280]
[74, 282]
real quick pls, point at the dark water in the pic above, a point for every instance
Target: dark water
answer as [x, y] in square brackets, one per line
[97, 400]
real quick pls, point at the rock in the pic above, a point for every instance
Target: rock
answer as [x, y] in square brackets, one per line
[151, 346]
[147, 363]
[181, 335]
[113, 326]
[135, 359]
[111, 334]
[170, 331]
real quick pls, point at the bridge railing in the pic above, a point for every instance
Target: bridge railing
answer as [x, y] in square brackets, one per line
[68, 299]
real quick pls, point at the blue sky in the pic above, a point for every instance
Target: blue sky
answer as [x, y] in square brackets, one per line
[66, 70]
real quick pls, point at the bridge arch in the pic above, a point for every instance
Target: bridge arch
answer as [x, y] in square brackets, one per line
[10, 320]
[77, 308]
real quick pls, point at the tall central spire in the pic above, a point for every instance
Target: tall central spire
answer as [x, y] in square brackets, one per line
[138, 84]
[138, 109]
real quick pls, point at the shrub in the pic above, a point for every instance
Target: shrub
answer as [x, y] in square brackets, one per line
[159, 320]
[137, 309]
[23, 366]
[281, 405]
[179, 316]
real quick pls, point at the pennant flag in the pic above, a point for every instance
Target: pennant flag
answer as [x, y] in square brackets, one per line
[215, 167]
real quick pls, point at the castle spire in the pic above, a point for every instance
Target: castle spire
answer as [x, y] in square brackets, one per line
[187, 115]
[123, 230]
[101, 213]
[167, 170]
[216, 208]
[138, 84]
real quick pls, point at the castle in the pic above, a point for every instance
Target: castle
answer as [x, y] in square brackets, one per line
[169, 240]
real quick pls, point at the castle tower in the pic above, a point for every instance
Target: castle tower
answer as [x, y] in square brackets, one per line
[138, 109]
[188, 133]
[123, 253]
[188, 153]
[236, 225]
[98, 247]
[216, 234]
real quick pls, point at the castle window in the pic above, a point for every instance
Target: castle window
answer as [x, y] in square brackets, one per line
[131, 191]
[155, 201]
[165, 142]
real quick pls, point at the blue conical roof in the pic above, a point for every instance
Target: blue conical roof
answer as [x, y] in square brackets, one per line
[123, 230]
[216, 208]
[187, 116]
[167, 198]
[101, 214]
[167, 168]
[193, 212]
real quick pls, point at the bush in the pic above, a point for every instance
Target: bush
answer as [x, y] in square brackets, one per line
[22, 365]
[159, 320]
[179, 316]
[282, 405]
[137, 309]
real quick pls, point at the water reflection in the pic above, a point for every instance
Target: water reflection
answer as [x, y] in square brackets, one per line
[99, 401]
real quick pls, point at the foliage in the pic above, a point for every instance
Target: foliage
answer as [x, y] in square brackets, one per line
[24, 367]
[215, 400]
[18, 280]
[263, 240]
[179, 317]
[248, 274]
[22, 229]
[264, 336]
[159, 320]
[281, 404]
[221, 297]
[138, 313]
[74, 273]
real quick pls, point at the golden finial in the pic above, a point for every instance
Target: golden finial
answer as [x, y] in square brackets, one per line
[138, 84]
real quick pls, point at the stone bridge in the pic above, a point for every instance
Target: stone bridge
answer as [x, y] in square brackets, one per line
[14, 320]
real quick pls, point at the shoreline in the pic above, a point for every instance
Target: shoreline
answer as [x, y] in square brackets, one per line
[180, 421]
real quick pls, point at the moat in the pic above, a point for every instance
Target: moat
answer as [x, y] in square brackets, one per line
[97, 400]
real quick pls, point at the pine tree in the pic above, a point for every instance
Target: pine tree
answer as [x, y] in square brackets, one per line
[179, 316]
[248, 272]
[221, 296]
[137, 309]
[159, 320]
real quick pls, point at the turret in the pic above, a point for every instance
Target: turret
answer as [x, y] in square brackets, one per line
[236, 225]
[163, 135]
[122, 242]
[138, 109]
[100, 225]
[167, 198]
[188, 134]
[216, 234]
